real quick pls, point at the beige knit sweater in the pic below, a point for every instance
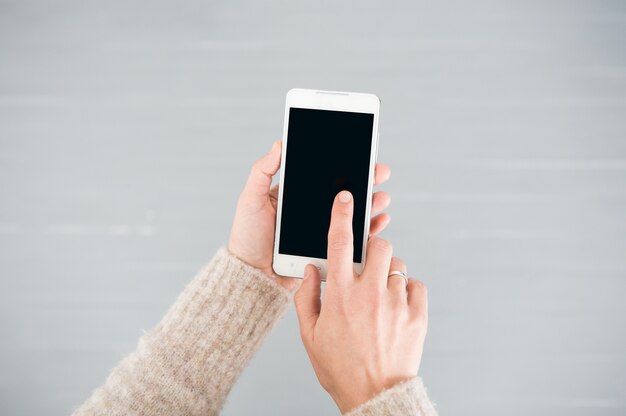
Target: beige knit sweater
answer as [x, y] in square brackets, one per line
[188, 364]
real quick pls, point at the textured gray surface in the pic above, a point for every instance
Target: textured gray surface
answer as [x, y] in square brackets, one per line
[127, 128]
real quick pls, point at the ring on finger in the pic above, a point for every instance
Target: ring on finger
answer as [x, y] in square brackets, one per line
[401, 274]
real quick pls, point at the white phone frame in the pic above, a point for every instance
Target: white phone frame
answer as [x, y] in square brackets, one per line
[293, 266]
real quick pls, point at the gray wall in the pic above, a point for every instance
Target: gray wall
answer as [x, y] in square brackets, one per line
[127, 129]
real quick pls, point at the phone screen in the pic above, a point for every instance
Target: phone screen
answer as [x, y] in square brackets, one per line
[327, 152]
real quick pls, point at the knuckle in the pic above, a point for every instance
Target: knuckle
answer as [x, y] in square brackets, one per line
[339, 240]
[398, 263]
[381, 245]
[418, 286]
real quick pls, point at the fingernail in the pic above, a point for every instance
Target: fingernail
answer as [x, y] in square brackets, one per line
[307, 271]
[345, 196]
[275, 146]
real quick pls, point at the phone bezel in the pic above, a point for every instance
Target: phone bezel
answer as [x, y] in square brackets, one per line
[293, 266]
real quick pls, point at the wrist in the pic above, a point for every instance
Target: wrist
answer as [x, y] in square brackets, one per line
[352, 400]
[353, 397]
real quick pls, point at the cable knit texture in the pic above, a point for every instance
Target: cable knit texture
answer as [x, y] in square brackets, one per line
[189, 362]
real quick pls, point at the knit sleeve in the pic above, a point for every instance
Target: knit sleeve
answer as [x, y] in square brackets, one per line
[408, 398]
[188, 363]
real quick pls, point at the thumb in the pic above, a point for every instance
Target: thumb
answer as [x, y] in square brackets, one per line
[308, 304]
[260, 178]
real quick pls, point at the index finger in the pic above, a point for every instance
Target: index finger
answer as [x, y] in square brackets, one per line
[340, 239]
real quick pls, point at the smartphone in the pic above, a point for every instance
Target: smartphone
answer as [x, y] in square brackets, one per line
[330, 143]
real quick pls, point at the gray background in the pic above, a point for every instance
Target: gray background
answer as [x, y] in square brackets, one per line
[127, 129]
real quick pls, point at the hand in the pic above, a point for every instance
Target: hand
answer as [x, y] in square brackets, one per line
[369, 332]
[252, 234]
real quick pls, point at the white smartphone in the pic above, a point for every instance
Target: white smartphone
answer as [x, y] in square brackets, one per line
[330, 142]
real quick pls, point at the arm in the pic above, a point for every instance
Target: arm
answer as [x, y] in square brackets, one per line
[365, 340]
[190, 361]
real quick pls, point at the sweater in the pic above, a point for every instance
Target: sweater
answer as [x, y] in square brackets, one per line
[189, 362]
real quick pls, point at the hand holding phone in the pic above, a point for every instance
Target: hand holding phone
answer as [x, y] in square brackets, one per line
[252, 233]
[330, 144]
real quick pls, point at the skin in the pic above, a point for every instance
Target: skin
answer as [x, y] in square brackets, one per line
[369, 332]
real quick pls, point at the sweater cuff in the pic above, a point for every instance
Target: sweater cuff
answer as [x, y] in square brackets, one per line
[407, 398]
[229, 295]
[189, 362]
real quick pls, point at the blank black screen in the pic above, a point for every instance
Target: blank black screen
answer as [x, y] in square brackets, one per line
[327, 151]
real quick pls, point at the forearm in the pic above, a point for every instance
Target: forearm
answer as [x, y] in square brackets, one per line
[188, 364]
[408, 398]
